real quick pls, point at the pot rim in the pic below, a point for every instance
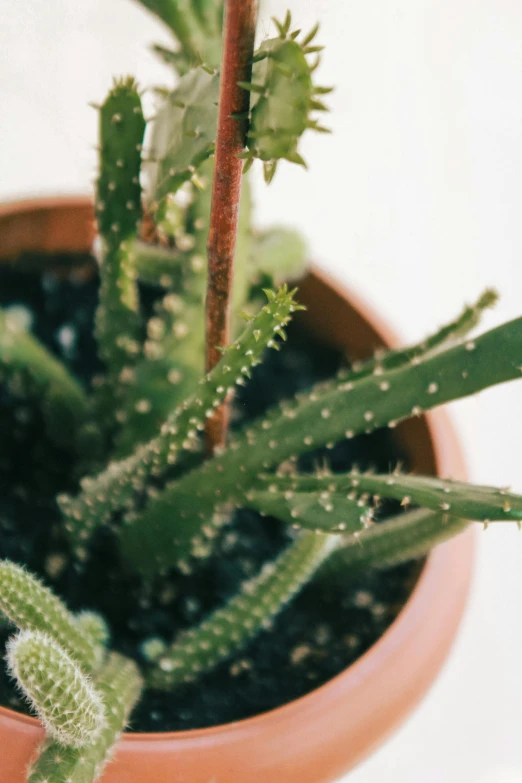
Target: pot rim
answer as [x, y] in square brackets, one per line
[437, 568]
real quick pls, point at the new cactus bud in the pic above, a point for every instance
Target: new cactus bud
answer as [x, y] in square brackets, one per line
[284, 99]
[63, 697]
[33, 607]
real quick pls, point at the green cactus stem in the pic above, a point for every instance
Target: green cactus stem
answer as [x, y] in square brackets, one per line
[119, 686]
[33, 607]
[160, 537]
[317, 509]
[115, 489]
[405, 537]
[468, 501]
[183, 134]
[62, 696]
[118, 209]
[28, 369]
[230, 628]
[283, 98]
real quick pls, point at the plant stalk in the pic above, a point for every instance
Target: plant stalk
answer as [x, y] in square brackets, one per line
[236, 66]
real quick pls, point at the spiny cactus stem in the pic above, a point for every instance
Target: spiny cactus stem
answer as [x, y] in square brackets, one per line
[238, 48]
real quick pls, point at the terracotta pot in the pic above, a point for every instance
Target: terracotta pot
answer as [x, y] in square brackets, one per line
[322, 735]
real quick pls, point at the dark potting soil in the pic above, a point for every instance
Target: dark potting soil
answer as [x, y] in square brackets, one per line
[325, 628]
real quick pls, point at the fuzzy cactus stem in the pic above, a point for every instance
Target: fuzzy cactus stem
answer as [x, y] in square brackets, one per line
[62, 696]
[230, 628]
[33, 607]
[238, 47]
[119, 685]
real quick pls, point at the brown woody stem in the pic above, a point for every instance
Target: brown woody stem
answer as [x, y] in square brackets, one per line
[236, 66]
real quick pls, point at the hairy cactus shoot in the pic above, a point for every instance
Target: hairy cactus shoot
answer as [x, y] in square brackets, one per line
[209, 550]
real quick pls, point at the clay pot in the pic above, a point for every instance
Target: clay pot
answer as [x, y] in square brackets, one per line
[317, 738]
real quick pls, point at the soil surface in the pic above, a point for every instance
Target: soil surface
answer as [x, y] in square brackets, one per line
[325, 629]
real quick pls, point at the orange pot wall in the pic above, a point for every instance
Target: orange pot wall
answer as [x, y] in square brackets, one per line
[322, 735]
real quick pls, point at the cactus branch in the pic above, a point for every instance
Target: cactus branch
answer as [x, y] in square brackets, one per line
[118, 208]
[63, 697]
[230, 628]
[30, 369]
[398, 539]
[468, 501]
[119, 685]
[240, 22]
[119, 486]
[33, 607]
[378, 400]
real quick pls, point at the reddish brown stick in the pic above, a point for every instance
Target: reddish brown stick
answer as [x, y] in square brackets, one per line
[236, 66]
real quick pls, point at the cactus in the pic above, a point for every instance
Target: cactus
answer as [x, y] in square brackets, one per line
[116, 488]
[62, 696]
[398, 539]
[33, 607]
[30, 370]
[468, 501]
[119, 686]
[184, 134]
[317, 419]
[118, 208]
[161, 498]
[229, 629]
[283, 98]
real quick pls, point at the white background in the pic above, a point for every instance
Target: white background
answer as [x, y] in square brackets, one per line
[415, 201]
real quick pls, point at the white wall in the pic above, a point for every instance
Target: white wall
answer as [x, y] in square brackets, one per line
[414, 200]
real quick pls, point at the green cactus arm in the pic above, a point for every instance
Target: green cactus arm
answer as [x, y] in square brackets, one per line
[28, 368]
[119, 686]
[33, 607]
[405, 537]
[183, 134]
[315, 421]
[317, 509]
[118, 209]
[283, 99]
[448, 334]
[230, 628]
[115, 489]
[62, 696]
[159, 265]
[469, 501]
[279, 253]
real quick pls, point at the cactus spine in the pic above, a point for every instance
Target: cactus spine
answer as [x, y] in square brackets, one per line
[62, 696]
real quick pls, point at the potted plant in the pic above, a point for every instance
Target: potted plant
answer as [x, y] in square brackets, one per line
[177, 494]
